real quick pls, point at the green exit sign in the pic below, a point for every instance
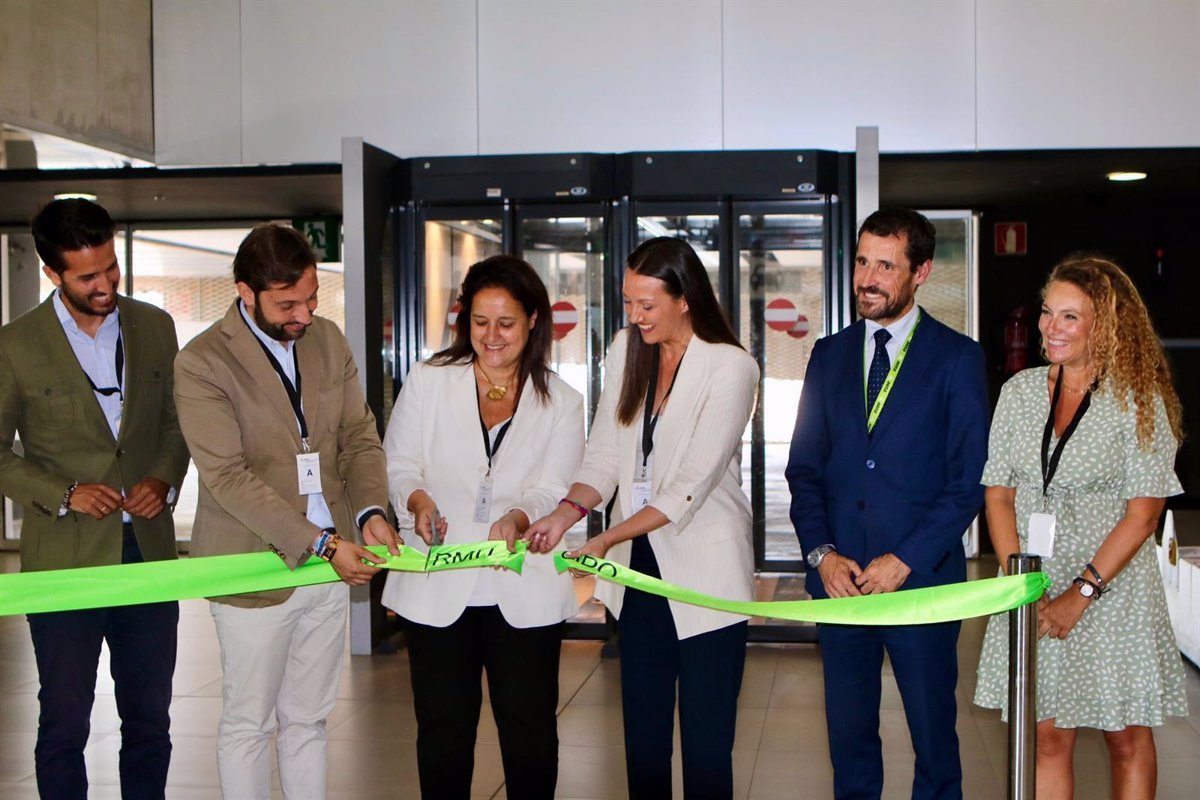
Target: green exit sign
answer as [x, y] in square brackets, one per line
[324, 234]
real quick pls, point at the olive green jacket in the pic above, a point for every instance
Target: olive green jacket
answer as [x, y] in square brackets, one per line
[45, 397]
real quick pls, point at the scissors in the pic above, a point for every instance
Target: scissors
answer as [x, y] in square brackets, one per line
[436, 539]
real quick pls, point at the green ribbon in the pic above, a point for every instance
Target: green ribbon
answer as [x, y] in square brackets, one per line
[911, 607]
[215, 576]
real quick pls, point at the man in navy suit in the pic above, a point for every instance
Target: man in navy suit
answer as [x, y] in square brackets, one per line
[889, 447]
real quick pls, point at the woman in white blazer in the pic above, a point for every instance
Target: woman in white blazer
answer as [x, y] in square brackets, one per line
[483, 439]
[667, 438]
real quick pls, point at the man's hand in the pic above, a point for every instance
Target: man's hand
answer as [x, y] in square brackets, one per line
[147, 498]
[838, 573]
[377, 530]
[884, 574]
[96, 500]
[347, 562]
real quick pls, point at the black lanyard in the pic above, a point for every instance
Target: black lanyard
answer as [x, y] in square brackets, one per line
[109, 391]
[488, 448]
[649, 418]
[293, 392]
[1050, 465]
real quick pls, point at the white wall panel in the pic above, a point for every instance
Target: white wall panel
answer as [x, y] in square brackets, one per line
[197, 82]
[804, 74]
[399, 74]
[599, 75]
[1089, 73]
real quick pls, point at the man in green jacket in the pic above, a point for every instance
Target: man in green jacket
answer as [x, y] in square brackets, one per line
[86, 381]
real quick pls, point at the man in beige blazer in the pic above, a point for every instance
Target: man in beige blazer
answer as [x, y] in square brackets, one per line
[85, 379]
[289, 461]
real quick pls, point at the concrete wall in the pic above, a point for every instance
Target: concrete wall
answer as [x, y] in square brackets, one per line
[80, 69]
[255, 81]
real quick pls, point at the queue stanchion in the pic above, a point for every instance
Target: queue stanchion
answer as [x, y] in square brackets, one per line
[1022, 690]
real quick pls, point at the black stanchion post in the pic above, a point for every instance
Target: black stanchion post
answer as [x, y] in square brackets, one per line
[1022, 691]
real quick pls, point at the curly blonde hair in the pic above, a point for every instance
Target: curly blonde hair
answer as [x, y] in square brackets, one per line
[1124, 347]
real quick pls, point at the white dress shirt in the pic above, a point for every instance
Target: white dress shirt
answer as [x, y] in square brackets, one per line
[97, 357]
[318, 510]
[899, 331]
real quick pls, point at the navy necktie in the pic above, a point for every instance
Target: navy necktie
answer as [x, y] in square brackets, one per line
[880, 364]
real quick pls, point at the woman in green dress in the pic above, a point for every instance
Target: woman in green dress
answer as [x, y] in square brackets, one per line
[1080, 460]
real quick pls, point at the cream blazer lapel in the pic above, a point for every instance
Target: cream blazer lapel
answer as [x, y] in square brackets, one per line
[249, 353]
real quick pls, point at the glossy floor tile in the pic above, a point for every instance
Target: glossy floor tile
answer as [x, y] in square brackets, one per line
[781, 750]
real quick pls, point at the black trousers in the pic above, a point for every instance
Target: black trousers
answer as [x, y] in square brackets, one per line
[522, 675]
[141, 643]
[708, 671]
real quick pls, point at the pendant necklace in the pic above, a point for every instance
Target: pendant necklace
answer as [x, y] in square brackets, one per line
[496, 391]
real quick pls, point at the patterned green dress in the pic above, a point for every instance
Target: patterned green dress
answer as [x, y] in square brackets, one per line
[1120, 665]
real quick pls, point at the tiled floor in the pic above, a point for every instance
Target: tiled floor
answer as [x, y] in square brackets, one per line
[781, 749]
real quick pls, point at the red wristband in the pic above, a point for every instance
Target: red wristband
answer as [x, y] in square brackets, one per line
[583, 512]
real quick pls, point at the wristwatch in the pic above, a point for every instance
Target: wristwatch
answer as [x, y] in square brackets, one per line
[817, 554]
[1086, 588]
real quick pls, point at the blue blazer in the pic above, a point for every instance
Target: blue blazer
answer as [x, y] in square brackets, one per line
[911, 487]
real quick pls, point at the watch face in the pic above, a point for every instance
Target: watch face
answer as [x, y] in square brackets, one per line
[1086, 589]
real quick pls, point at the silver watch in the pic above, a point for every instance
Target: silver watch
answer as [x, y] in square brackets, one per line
[817, 554]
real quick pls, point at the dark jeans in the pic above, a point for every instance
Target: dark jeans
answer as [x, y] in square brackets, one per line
[708, 671]
[925, 662]
[522, 674]
[141, 643]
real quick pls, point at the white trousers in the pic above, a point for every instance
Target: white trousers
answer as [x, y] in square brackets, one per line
[282, 666]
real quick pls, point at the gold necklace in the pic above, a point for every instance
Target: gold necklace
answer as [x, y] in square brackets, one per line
[1073, 390]
[496, 391]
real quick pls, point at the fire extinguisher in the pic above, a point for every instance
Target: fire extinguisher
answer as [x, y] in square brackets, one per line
[1016, 340]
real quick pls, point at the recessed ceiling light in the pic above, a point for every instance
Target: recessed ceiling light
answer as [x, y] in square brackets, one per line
[1126, 176]
[75, 196]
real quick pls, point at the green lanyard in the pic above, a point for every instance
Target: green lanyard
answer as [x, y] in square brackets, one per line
[886, 389]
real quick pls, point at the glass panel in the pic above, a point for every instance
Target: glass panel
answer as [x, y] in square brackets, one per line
[568, 254]
[451, 247]
[947, 294]
[701, 231]
[782, 304]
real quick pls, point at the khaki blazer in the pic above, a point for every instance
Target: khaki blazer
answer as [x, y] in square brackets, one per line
[239, 423]
[45, 397]
[696, 481]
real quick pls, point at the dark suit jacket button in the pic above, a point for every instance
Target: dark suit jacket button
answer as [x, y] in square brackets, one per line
[120, 453]
[861, 505]
[870, 464]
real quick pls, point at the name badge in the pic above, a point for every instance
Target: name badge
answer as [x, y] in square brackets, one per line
[483, 500]
[308, 472]
[1041, 534]
[640, 496]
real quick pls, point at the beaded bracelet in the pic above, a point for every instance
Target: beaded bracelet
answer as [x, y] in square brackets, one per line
[66, 503]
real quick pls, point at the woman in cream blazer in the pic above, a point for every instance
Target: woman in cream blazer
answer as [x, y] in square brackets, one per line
[685, 518]
[461, 622]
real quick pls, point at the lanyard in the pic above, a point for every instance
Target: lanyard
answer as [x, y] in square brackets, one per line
[886, 389]
[293, 392]
[488, 448]
[649, 418]
[109, 391]
[1050, 465]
